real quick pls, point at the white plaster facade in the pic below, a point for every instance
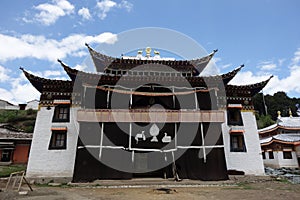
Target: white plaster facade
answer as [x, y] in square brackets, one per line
[52, 163]
[251, 161]
[34, 105]
[279, 161]
[7, 105]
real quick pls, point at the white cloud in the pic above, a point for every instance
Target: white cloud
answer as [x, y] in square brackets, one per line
[288, 84]
[268, 66]
[4, 74]
[49, 73]
[84, 13]
[296, 58]
[40, 47]
[106, 6]
[80, 67]
[125, 4]
[20, 90]
[49, 13]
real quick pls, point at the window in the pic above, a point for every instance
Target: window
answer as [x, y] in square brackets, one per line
[234, 117]
[263, 155]
[287, 155]
[61, 113]
[6, 156]
[271, 155]
[58, 140]
[237, 143]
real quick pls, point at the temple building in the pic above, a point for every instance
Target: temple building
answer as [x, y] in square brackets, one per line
[144, 116]
[280, 142]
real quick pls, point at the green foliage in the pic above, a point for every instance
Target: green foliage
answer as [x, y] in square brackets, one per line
[5, 171]
[21, 119]
[278, 102]
[264, 121]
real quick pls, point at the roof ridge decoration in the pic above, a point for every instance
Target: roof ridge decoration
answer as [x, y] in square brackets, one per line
[194, 79]
[103, 62]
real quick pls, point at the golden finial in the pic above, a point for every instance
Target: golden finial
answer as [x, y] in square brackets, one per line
[148, 51]
[279, 114]
[290, 113]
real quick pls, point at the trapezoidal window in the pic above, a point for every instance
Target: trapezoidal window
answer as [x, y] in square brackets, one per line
[234, 117]
[58, 140]
[263, 155]
[61, 113]
[237, 143]
[287, 155]
[271, 155]
[6, 155]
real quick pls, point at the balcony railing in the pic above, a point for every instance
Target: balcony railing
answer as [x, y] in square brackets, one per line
[145, 115]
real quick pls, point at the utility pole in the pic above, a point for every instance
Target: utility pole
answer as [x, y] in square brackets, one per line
[263, 97]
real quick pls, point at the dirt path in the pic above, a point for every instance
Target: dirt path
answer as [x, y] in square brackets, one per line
[265, 190]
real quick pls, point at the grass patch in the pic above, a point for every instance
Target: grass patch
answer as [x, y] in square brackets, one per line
[5, 171]
[245, 186]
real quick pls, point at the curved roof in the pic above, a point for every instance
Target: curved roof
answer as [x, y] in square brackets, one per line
[103, 62]
[287, 123]
[246, 90]
[288, 138]
[48, 84]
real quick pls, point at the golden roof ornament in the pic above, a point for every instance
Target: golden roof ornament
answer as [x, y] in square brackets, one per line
[290, 113]
[156, 52]
[148, 51]
[279, 114]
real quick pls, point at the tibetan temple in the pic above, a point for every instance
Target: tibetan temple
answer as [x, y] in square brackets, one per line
[144, 116]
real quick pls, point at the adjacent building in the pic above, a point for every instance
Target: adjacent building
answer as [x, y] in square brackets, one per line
[144, 116]
[280, 143]
[14, 145]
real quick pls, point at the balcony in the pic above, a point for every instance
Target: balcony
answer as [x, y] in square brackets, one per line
[146, 115]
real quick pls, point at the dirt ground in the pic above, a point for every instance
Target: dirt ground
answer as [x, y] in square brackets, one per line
[241, 188]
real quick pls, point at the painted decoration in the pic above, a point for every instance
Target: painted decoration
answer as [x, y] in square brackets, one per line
[140, 136]
[166, 139]
[154, 132]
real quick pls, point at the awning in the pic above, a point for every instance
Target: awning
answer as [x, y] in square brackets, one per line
[59, 128]
[232, 105]
[287, 149]
[236, 130]
[61, 101]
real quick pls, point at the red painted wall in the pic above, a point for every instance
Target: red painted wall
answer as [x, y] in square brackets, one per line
[21, 152]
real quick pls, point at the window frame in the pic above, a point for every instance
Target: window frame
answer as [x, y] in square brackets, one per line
[54, 139]
[263, 155]
[237, 113]
[6, 152]
[271, 155]
[289, 157]
[57, 113]
[241, 146]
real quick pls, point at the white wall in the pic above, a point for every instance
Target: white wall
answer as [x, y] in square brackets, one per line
[251, 161]
[32, 105]
[52, 163]
[279, 162]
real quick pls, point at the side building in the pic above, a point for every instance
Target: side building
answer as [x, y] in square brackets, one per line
[280, 143]
[14, 145]
[144, 116]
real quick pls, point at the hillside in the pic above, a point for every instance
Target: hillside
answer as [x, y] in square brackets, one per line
[274, 103]
[21, 119]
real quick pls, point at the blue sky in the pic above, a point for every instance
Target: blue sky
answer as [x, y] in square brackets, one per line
[262, 34]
